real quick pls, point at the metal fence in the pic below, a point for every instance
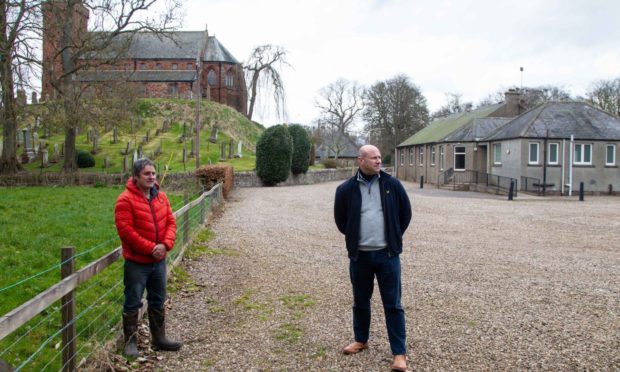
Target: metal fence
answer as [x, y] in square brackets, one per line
[491, 181]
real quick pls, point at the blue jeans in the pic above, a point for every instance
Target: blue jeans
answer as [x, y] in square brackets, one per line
[387, 270]
[138, 277]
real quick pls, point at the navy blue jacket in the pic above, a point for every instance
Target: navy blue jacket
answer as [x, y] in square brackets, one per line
[396, 212]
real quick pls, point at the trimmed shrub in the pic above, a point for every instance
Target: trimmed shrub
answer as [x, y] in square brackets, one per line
[330, 163]
[301, 149]
[85, 159]
[210, 175]
[387, 159]
[273, 155]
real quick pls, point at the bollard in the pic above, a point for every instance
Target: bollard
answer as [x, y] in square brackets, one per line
[580, 191]
[421, 182]
[511, 190]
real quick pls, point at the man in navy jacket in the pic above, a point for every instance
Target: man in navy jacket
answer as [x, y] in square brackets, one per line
[373, 211]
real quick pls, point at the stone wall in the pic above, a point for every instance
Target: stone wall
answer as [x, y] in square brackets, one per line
[250, 179]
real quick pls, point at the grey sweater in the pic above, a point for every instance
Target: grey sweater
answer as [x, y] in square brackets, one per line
[372, 229]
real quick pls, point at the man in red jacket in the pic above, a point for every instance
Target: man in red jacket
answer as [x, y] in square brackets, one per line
[147, 229]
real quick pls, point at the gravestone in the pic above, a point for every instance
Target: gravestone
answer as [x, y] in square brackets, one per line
[35, 142]
[135, 156]
[231, 146]
[44, 158]
[56, 154]
[89, 136]
[106, 163]
[126, 151]
[213, 138]
[34, 98]
[184, 154]
[21, 98]
[184, 130]
[115, 135]
[140, 153]
[29, 152]
[223, 151]
[125, 163]
[239, 149]
[95, 144]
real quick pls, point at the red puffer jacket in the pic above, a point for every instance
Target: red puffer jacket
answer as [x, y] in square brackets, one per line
[142, 224]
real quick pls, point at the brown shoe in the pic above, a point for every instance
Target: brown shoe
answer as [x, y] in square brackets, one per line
[355, 347]
[400, 363]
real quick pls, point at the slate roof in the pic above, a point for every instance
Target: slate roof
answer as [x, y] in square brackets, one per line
[442, 127]
[172, 45]
[476, 130]
[137, 76]
[562, 119]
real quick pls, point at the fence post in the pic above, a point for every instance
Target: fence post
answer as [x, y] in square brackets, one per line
[186, 220]
[67, 260]
[580, 191]
[203, 210]
[421, 182]
[511, 190]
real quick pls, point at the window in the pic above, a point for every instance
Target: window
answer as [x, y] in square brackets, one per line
[190, 66]
[158, 66]
[553, 154]
[442, 157]
[533, 159]
[433, 155]
[411, 156]
[497, 153]
[173, 89]
[421, 155]
[459, 157]
[228, 80]
[402, 157]
[211, 78]
[610, 155]
[583, 154]
[143, 66]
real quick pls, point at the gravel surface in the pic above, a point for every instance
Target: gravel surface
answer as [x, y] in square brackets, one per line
[488, 284]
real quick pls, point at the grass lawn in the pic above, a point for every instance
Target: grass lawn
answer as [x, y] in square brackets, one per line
[35, 222]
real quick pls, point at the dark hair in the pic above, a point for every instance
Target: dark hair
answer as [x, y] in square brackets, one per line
[139, 164]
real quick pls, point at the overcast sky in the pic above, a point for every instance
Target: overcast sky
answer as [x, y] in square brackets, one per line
[469, 47]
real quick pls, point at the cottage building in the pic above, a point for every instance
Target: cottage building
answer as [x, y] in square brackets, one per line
[174, 65]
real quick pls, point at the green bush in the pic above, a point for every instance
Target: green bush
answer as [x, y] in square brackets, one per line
[85, 159]
[387, 159]
[330, 163]
[301, 149]
[273, 155]
[146, 108]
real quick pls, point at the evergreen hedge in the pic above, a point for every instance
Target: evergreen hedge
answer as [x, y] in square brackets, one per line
[301, 149]
[85, 159]
[274, 152]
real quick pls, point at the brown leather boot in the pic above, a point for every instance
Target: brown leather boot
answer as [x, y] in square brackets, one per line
[157, 325]
[355, 347]
[400, 363]
[130, 331]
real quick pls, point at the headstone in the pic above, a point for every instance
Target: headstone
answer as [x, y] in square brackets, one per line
[105, 163]
[35, 141]
[95, 144]
[140, 151]
[89, 135]
[44, 158]
[213, 138]
[34, 99]
[192, 152]
[126, 152]
[231, 146]
[239, 150]
[21, 97]
[125, 163]
[135, 156]
[56, 154]
[184, 154]
[115, 135]
[223, 151]
[29, 152]
[184, 130]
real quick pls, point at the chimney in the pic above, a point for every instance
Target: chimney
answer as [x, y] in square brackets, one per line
[513, 102]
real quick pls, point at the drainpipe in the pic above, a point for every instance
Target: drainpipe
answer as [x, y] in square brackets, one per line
[570, 165]
[563, 163]
[545, 163]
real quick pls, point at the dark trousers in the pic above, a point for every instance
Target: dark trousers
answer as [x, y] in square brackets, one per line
[387, 270]
[139, 277]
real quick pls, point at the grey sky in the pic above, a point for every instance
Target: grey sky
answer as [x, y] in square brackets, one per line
[469, 47]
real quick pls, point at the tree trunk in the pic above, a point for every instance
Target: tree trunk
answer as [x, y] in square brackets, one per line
[253, 87]
[70, 164]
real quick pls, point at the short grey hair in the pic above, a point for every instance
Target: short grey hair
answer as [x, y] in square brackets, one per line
[139, 164]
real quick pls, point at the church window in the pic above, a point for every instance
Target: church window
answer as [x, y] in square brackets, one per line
[229, 80]
[211, 78]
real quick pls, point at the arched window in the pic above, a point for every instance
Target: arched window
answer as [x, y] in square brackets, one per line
[211, 78]
[229, 81]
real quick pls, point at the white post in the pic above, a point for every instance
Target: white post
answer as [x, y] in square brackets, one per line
[570, 165]
[563, 164]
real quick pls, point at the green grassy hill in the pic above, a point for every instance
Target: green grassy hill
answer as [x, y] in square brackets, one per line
[165, 147]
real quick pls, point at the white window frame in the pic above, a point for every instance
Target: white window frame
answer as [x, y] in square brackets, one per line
[530, 153]
[421, 152]
[433, 155]
[464, 154]
[442, 157]
[557, 153]
[411, 156]
[613, 159]
[497, 153]
[581, 160]
[402, 157]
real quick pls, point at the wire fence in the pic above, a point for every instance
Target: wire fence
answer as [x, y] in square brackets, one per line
[36, 336]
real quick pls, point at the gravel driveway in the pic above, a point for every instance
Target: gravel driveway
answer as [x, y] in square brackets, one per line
[488, 284]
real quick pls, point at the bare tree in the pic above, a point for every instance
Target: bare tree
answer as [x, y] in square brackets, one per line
[605, 94]
[454, 104]
[341, 103]
[394, 110]
[263, 71]
[19, 30]
[114, 22]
